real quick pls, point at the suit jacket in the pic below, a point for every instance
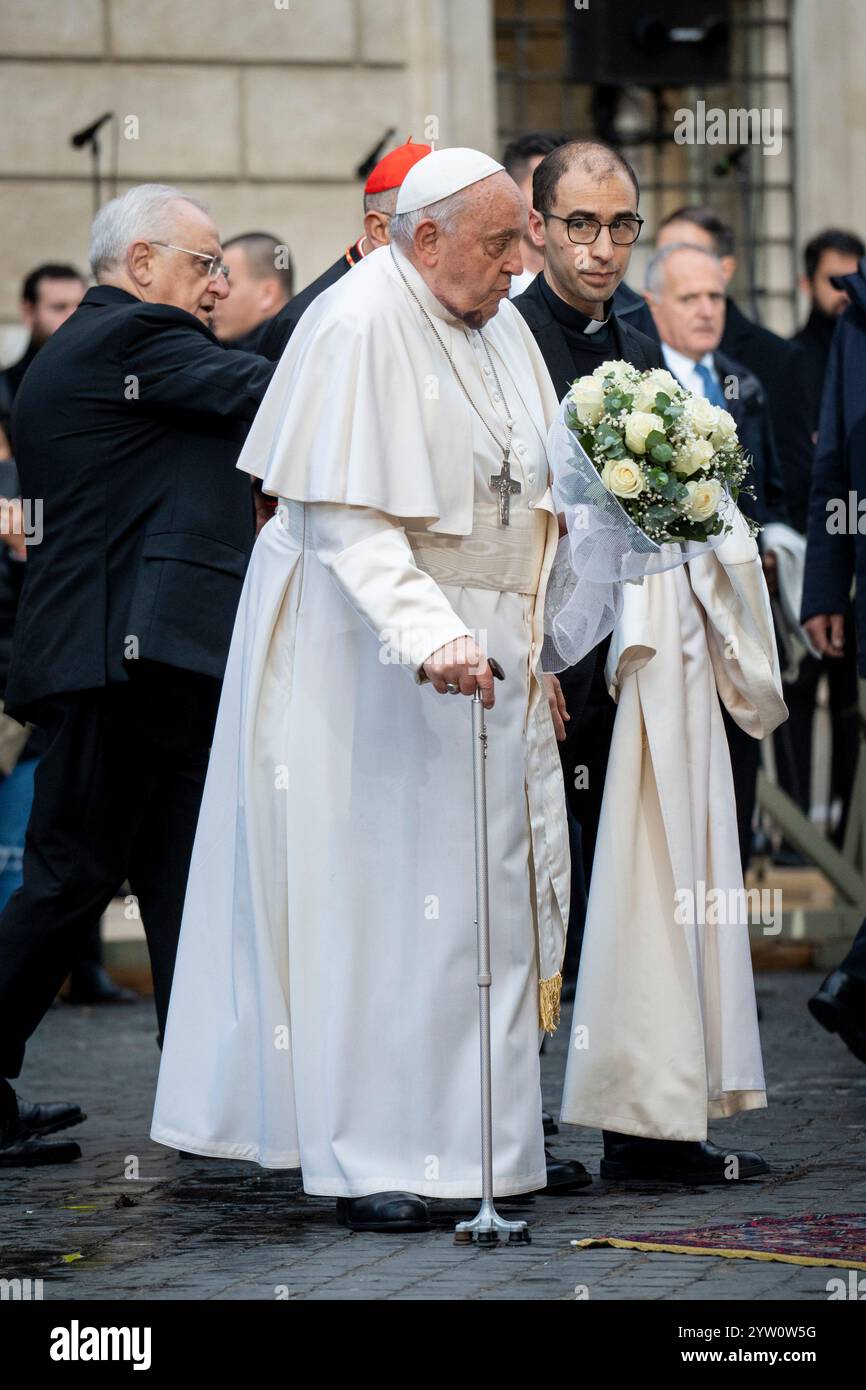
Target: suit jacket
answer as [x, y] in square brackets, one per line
[276, 332]
[632, 346]
[751, 411]
[127, 429]
[631, 307]
[815, 338]
[781, 368]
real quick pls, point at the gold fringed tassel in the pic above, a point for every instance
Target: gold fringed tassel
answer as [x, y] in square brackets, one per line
[549, 992]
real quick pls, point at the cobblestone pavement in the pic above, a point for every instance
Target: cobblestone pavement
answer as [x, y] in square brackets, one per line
[132, 1220]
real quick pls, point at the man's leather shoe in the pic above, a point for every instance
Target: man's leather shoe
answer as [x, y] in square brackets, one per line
[840, 1007]
[46, 1117]
[628, 1157]
[549, 1123]
[21, 1149]
[384, 1211]
[92, 984]
[564, 1175]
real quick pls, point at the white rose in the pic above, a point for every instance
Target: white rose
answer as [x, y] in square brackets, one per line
[694, 454]
[622, 372]
[623, 477]
[638, 424]
[588, 399]
[704, 499]
[702, 415]
[725, 431]
[655, 381]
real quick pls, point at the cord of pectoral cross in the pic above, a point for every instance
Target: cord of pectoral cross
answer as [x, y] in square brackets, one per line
[509, 423]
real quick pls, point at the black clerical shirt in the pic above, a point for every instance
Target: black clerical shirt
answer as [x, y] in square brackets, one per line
[588, 350]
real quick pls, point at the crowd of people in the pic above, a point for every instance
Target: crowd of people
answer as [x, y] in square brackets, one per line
[189, 401]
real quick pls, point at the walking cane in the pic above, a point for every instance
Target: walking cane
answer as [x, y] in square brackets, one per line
[486, 1228]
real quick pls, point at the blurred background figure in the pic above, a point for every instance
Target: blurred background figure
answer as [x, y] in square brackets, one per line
[262, 282]
[380, 204]
[521, 158]
[49, 295]
[836, 561]
[686, 293]
[830, 254]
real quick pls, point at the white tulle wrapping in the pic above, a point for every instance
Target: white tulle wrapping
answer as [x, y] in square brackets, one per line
[602, 548]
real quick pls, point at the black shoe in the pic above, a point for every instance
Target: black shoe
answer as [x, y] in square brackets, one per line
[46, 1117]
[564, 1175]
[840, 1007]
[92, 984]
[384, 1211]
[21, 1149]
[629, 1158]
[549, 1123]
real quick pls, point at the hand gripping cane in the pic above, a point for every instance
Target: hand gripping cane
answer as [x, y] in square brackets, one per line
[486, 1228]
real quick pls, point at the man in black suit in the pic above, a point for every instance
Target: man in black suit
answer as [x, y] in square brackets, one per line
[779, 365]
[127, 430]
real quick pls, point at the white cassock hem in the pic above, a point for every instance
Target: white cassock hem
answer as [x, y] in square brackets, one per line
[327, 1187]
[731, 1103]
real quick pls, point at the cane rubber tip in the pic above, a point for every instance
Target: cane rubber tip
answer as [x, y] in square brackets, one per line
[462, 1237]
[487, 1238]
[520, 1238]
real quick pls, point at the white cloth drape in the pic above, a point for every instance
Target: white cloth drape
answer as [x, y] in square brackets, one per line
[664, 1030]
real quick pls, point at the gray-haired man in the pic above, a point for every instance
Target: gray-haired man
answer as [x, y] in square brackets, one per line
[127, 429]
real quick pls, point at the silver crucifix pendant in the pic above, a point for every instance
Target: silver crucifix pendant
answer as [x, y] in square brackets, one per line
[506, 486]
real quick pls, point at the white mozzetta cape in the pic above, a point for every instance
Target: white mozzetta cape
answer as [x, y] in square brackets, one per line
[354, 412]
[664, 1031]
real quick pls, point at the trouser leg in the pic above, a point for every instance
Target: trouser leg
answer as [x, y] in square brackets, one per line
[175, 714]
[83, 819]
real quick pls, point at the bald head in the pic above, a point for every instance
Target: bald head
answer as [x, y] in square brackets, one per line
[467, 246]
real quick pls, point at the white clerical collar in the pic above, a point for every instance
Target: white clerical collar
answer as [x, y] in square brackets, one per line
[433, 305]
[685, 369]
[595, 326]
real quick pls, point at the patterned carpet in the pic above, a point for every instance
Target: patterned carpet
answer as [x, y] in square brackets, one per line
[836, 1238]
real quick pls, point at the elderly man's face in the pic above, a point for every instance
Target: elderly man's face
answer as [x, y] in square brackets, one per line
[586, 275]
[178, 278]
[689, 311]
[469, 269]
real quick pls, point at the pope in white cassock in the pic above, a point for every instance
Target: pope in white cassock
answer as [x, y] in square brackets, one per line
[324, 1005]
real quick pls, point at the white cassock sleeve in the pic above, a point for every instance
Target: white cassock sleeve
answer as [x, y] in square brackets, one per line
[370, 559]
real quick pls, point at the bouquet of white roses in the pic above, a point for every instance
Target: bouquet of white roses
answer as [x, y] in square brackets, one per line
[671, 459]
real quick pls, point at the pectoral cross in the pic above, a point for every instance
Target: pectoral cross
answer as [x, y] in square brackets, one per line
[506, 486]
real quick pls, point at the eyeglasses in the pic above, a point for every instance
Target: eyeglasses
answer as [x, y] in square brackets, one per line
[583, 231]
[214, 265]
